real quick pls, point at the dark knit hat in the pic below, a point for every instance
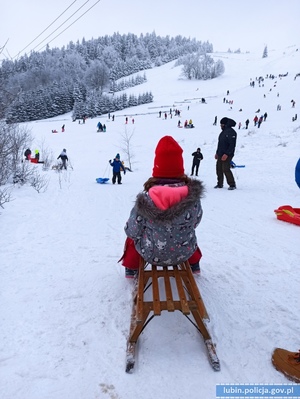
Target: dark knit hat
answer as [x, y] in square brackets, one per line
[168, 161]
[117, 156]
[224, 121]
[227, 122]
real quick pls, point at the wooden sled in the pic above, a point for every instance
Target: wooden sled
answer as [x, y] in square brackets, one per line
[188, 301]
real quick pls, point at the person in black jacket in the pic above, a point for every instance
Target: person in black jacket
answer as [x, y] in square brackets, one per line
[63, 156]
[225, 153]
[27, 154]
[196, 160]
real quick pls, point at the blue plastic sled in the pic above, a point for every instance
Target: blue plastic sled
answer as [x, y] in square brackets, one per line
[102, 180]
[233, 165]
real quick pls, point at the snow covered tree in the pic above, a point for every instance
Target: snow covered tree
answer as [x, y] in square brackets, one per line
[200, 66]
[97, 76]
[27, 85]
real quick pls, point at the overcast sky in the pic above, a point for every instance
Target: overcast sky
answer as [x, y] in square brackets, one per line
[248, 25]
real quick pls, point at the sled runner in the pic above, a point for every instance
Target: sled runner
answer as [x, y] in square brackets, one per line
[179, 282]
[102, 180]
[288, 214]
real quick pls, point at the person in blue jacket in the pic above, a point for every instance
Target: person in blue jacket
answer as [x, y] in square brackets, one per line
[297, 173]
[117, 167]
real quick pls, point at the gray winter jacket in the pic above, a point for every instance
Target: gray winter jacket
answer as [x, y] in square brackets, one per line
[166, 237]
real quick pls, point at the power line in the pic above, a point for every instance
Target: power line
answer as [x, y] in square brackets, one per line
[46, 28]
[66, 27]
[3, 47]
[60, 25]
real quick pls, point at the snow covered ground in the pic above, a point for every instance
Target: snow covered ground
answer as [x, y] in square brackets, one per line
[65, 305]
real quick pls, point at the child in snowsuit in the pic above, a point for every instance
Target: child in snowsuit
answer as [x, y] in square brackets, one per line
[37, 155]
[63, 156]
[117, 167]
[196, 160]
[27, 154]
[161, 226]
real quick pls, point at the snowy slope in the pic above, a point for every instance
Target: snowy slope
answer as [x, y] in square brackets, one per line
[65, 304]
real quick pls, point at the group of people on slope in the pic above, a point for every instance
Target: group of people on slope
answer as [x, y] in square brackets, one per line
[100, 127]
[34, 159]
[63, 156]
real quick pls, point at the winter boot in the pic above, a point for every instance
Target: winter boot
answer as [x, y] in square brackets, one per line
[287, 363]
[195, 268]
[130, 273]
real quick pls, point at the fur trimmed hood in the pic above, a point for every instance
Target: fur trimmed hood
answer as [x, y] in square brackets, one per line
[147, 209]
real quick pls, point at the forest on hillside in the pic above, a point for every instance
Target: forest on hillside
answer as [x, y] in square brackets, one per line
[84, 77]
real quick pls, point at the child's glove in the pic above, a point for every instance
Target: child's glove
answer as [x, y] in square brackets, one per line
[109, 161]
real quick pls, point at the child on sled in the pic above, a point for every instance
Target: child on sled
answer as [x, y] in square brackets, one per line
[162, 223]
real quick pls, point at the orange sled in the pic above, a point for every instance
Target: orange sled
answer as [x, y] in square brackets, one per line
[288, 214]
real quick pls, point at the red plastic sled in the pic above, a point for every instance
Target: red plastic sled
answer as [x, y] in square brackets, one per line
[288, 214]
